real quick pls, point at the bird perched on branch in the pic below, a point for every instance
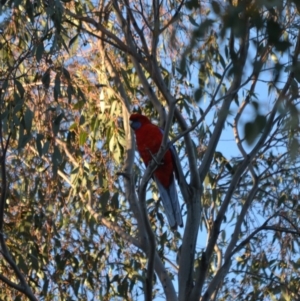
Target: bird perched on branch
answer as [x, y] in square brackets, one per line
[148, 141]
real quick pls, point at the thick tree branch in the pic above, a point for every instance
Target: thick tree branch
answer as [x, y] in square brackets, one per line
[142, 198]
[227, 262]
[141, 243]
[192, 198]
[150, 235]
[242, 167]
[244, 45]
[225, 108]
[12, 284]
[234, 238]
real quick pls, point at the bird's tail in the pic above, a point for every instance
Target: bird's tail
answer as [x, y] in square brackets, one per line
[171, 205]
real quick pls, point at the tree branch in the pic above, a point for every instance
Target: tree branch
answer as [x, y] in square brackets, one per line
[156, 27]
[244, 45]
[23, 287]
[173, 19]
[137, 29]
[142, 198]
[130, 143]
[246, 241]
[136, 62]
[227, 263]
[116, 41]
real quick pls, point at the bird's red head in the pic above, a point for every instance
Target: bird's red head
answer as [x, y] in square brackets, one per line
[138, 120]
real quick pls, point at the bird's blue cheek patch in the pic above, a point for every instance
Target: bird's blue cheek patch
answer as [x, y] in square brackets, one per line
[135, 125]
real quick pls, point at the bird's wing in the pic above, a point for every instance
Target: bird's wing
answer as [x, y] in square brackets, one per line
[175, 158]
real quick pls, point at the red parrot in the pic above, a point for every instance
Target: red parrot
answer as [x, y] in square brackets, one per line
[148, 141]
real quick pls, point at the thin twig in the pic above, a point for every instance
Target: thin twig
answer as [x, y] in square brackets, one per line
[173, 18]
